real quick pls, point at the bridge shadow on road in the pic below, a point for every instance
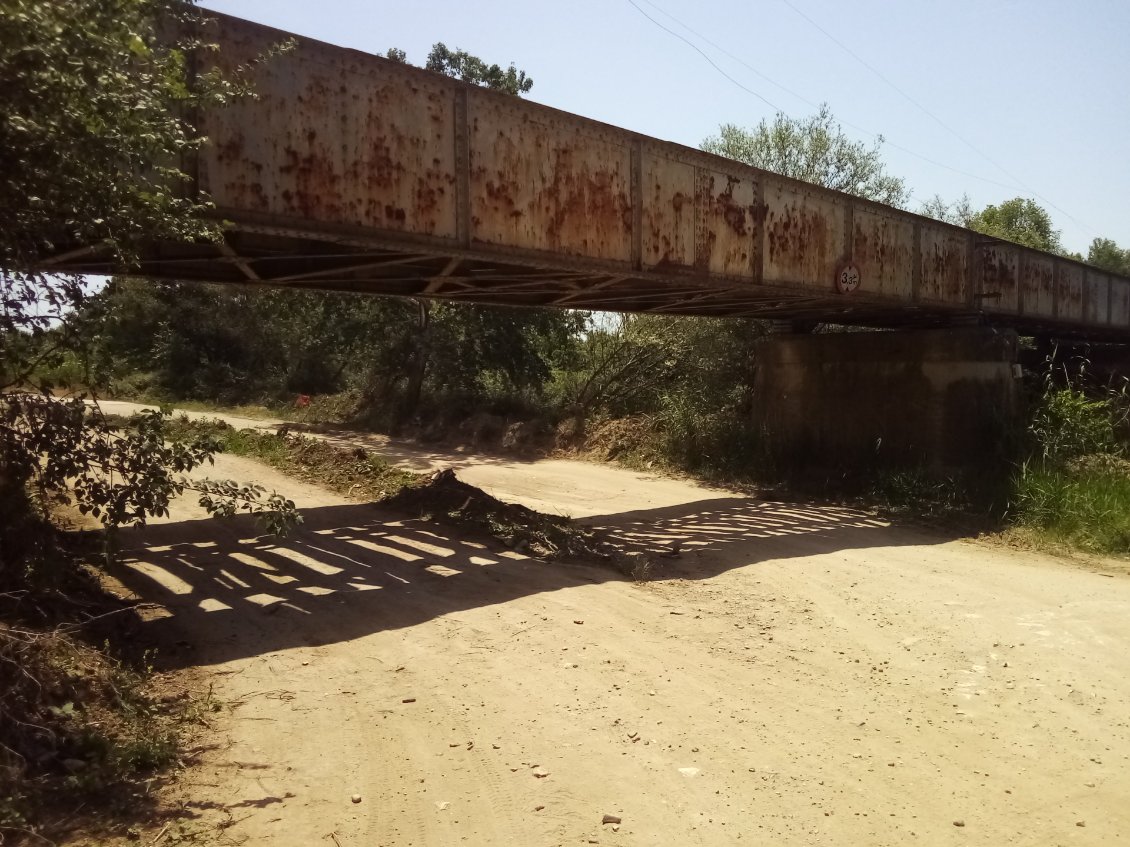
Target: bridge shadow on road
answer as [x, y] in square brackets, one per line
[221, 591]
[763, 529]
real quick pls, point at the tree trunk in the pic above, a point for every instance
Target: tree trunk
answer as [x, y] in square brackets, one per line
[417, 363]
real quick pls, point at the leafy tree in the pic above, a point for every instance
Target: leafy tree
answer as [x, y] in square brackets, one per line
[462, 65]
[959, 213]
[455, 355]
[89, 132]
[814, 149]
[89, 123]
[1019, 220]
[1106, 254]
[622, 369]
[231, 344]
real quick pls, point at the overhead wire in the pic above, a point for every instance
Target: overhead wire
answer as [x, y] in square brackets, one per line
[877, 136]
[1016, 185]
[935, 118]
[704, 55]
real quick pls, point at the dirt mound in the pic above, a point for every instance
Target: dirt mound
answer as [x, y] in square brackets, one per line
[445, 498]
[633, 440]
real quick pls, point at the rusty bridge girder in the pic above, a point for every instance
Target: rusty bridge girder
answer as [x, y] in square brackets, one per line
[351, 172]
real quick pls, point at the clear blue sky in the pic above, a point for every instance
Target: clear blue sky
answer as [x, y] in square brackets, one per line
[1037, 90]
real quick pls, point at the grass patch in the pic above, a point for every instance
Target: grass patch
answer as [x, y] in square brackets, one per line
[336, 409]
[244, 410]
[353, 472]
[918, 493]
[1084, 503]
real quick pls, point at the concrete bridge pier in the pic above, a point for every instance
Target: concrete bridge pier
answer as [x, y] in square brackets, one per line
[940, 400]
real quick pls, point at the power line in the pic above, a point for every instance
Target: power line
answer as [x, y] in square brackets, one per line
[728, 54]
[934, 117]
[878, 136]
[1016, 185]
[701, 52]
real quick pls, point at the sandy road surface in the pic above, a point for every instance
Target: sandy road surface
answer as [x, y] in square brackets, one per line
[553, 486]
[799, 676]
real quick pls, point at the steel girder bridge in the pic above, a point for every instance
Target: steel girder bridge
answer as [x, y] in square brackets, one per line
[350, 172]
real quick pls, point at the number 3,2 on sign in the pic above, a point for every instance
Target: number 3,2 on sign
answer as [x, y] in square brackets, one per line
[847, 280]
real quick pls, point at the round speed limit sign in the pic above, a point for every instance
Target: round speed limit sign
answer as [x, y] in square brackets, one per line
[847, 280]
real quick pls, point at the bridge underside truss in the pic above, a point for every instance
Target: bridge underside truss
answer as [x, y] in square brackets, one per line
[276, 257]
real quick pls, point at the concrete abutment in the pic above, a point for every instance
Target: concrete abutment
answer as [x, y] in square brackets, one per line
[941, 400]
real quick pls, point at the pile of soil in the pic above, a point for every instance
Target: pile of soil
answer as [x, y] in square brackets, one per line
[617, 439]
[445, 498]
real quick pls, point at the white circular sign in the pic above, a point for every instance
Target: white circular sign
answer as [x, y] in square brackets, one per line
[848, 279]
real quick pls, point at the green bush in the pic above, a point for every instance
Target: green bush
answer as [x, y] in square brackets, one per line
[920, 492]
[1086, 505]
[1067, 423]
[715, 442]
[1075, 487]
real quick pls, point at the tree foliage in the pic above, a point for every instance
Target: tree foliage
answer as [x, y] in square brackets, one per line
[691, 378]
[1020, 220]
[236, 345]
[90, 138]
[459, 64]
[958, 213]
[90, 134]
[462, 65]
[1106, 254]
[814, 149]
[229, 344]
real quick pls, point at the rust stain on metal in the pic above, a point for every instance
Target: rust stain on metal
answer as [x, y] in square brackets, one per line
[1119, 301]
[1095, 300]
[668, 238]
[547, 186]
[944, 265]
[358, 142]
[803, 237]
[999, 272]
[724, 207]
[883, 250]
[1070, 293]
[1037, 284]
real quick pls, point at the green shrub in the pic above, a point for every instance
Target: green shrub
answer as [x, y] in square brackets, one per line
[718, 443]
[1086, 504]
[1067, 423]
[1075, 487]
[920, 492]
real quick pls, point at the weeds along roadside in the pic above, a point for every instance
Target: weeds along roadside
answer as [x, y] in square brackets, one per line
[1073, 488]
[87, 732]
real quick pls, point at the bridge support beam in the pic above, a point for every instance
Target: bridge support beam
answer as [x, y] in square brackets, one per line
[854, 403]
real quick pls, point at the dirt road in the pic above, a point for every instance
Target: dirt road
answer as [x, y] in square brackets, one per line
[554, 486]
[798, 676]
